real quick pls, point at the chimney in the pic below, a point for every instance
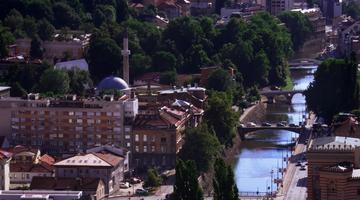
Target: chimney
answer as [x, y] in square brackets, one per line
[125, 53]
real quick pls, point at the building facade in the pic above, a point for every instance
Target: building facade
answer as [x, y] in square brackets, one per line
[104, 165]
[67, 125]
[333, 168]
[275, 7]
[5, 158]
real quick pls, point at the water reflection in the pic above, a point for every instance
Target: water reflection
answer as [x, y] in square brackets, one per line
[263, 151]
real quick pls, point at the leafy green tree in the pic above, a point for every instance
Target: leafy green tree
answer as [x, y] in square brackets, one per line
[30, 27]
[55, 81]
[351, 8]
[186, 185]
[168, 78]
[299, 26]
[39, 9]
[219, 80]
[261, 69]
[220, 116]
[17, 90]
[224, 183]
[65, 16]
[79, 81]
[153, 179]
[334, 89]
[36, 51]
[122, 10]
[6, 38]
[104, 13]
[163, 61]
[139, 63]
[196, 58]
[14, 20]
[45, 30]
[201, 146]
[104, 57]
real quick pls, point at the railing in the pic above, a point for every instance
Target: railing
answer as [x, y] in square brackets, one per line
[253, 194]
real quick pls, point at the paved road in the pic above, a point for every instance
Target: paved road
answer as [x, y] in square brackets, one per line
[297, 190]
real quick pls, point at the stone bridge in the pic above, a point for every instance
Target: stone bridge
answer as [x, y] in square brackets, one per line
[303, 62]
[288, 94]
[242, 131]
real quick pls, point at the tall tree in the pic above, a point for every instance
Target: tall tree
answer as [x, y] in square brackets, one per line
[153, 179]
[221, 117]
[186, 185]
[104, 57]
[224, 183]
[45, 30]
[299, 26]
[334, 89]
[65, 16]
[163, 61]
[219, 80]
[36, 51]
[201, 146]
[79, 81]
[6, 38]
[54, 81]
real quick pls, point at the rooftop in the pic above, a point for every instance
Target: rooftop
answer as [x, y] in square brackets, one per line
[334, 143]
[100, 159]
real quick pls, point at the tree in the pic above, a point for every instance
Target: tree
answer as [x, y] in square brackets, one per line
[168, 78]
[65, 16]
[36, 51]
[163, 61]
[30, 27]
[261, 69]
[186, 184]
[45, 30]
[104, 58]
[298, 25]
[221, 117]
[201, 146]
[54, 81]
[351, 8]
[6, 38]
[153, 179]
[334, 89]
[79, 81]
[104, 13]
[219, 80]
[224, 183]
[14, 20]
[139, 63]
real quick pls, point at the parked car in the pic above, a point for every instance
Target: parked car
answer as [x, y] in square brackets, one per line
[241, 125]
[280, 124]
[273, 87]
[250, 124]
[266, 124]
[141, 191]
[124, 185]
[293, 125]
[298, 164]
[135, 180]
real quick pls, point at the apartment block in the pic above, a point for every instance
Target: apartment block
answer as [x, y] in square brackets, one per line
[66, 125]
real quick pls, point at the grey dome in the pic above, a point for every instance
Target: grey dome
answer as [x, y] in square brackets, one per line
[112, 82]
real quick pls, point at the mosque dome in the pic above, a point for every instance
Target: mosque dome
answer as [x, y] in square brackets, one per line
[112, 82]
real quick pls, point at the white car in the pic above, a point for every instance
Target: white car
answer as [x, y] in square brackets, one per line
[250, 124]
[124, 185]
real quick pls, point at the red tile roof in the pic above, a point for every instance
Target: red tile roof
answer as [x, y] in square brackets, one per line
[110, 158]
[19, 148]
[47, 159]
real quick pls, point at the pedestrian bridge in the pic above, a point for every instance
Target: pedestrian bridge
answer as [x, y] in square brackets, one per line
[288, 94]
[242, 131]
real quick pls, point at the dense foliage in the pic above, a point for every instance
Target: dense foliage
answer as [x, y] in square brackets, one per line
[153, 179]
[334, 89]
[201, 146]
[351, 8]
[186, 183]
[224, 182]
[298, 25]
[220, 117]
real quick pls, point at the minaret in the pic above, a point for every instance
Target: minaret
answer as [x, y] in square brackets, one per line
[125, 53]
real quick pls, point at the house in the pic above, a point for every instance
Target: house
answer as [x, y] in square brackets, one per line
[5, 158]
[333, 168]
[24, 154]
[92, 188]
[40, 195]
[104, 165]
[80, 64]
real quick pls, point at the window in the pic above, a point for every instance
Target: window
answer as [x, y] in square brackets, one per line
[79, 121]
[153, 138]
[137, 148]
[145, 138]
[145, 149]
[163, 139]
[27, 176]
[128, 144]
[136, 138]
[153, 148]
[127, 137]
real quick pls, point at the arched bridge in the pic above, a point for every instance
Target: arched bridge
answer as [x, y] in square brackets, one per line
[304, 62]
[271, 94]
[244, 130]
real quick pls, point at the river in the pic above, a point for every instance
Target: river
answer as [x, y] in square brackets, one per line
[262, 152]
